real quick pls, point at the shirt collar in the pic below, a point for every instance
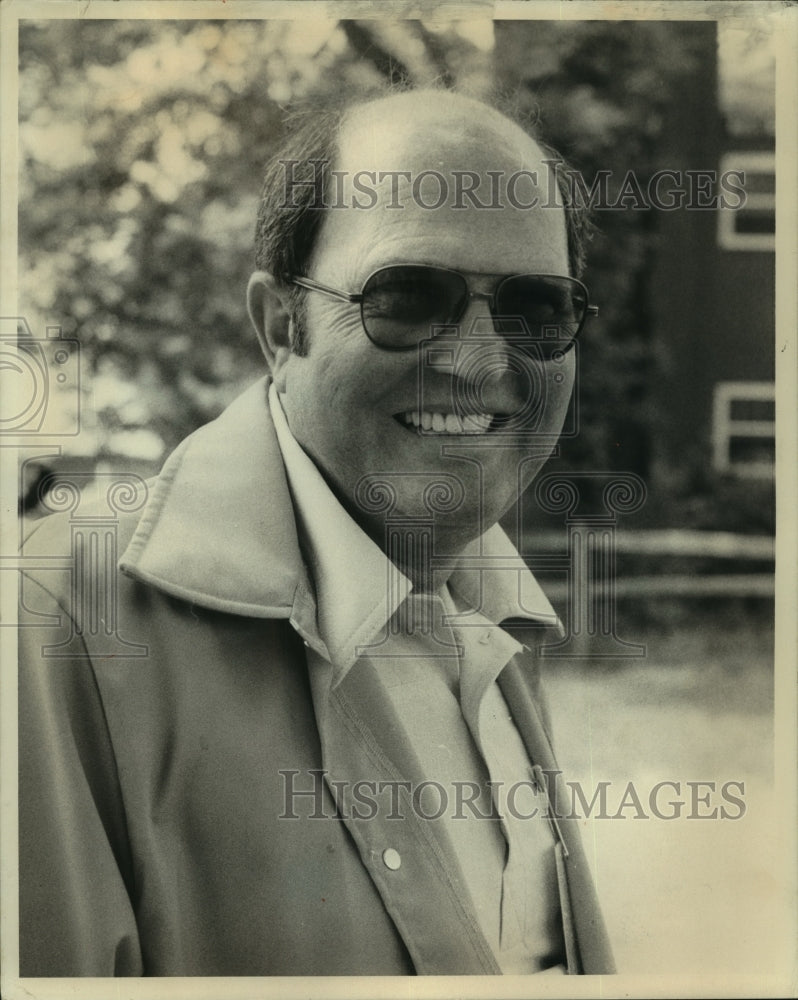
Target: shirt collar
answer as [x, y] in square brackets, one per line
[493, 578]
[357, 589]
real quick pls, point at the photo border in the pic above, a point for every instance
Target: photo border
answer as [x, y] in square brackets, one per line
[772, 982]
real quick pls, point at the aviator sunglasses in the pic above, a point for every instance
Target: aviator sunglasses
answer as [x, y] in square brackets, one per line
[401, 303]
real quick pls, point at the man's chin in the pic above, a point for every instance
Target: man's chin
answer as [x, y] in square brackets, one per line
[450, 524]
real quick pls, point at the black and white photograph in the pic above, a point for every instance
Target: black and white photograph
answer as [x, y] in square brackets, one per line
[399, 461]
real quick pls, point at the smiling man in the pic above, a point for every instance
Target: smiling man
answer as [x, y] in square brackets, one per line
[350, 399]
[332, 756]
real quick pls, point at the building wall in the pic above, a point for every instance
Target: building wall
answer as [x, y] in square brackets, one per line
[713, 307]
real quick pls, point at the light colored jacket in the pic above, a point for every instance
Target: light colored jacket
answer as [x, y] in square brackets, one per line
[161, 720]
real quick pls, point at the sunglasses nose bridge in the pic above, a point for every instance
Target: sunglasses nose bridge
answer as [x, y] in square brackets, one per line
[475, 295]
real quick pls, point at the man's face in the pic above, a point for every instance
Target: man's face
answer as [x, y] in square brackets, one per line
[348, 402]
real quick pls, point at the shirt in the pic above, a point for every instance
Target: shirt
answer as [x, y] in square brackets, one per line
[438, 657]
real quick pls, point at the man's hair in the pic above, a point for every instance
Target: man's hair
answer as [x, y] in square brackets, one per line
[288, 226]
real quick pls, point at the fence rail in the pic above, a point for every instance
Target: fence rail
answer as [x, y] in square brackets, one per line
[737, 585]
[713, 545]
[670, 542]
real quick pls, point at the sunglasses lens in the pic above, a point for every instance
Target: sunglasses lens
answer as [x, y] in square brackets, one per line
[552, 308]
[401, 304]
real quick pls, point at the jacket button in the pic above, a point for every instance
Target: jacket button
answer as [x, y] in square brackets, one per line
[392, 859]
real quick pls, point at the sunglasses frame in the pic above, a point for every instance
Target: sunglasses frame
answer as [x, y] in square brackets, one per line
[357, 297]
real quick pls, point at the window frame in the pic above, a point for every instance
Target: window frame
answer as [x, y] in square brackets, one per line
[729, 238]
[725, 428]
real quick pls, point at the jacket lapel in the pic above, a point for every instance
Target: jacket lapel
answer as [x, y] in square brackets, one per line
[591, 945]
[426, 897]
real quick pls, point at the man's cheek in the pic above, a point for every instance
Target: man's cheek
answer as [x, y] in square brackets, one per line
[560, 380]
[338, 328]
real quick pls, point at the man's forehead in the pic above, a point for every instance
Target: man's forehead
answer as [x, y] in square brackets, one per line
[431, 130]
[415, 172]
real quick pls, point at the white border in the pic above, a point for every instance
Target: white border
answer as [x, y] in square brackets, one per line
[771, 982]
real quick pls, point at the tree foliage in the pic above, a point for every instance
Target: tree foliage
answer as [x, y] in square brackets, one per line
[143, 144]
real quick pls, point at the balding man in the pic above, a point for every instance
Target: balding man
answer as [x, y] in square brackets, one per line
[334, 757]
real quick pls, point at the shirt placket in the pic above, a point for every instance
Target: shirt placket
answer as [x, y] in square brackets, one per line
[531, 898]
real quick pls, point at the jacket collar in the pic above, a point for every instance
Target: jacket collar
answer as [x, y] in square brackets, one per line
[218, 528]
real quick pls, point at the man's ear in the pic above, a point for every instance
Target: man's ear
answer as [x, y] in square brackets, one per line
[268, 309]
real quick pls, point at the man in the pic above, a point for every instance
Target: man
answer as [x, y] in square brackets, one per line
[324, 755]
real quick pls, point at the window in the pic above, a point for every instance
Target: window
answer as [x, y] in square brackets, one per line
[744, 428]
[752, 226]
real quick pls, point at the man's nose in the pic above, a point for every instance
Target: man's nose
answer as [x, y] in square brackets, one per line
[492, 368]
[476, 331]
[483, 334]
[478, 309]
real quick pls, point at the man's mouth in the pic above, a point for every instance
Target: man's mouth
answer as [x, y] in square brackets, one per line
[434, 422]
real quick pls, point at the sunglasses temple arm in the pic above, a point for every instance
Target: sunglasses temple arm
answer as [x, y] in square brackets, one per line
[316, 286]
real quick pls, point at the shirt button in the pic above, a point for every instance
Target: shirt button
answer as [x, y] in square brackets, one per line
[392, 858]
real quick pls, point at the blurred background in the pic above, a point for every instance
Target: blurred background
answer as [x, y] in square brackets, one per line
[142, 146]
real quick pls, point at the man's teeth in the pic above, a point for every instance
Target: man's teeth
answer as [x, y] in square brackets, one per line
[448, 423]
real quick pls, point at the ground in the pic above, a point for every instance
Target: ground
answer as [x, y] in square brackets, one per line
[687, 895]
